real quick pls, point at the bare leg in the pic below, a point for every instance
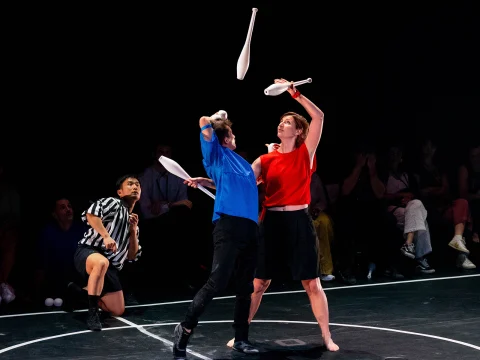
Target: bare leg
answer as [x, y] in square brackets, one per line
[410, 237]
[259, 288]
[96, 267]
[319, 304]
[113, 302]
[459, 229]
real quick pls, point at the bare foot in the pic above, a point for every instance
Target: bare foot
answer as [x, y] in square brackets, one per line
[330, 345]
[230, 343]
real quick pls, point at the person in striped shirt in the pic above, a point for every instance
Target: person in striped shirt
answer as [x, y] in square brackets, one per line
[111, 239]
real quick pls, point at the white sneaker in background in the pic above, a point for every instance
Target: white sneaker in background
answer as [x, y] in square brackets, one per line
[468, 265]
[328, 277]
[7, 292]
[458, 243]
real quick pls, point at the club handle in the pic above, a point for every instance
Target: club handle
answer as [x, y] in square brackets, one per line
[206, 191]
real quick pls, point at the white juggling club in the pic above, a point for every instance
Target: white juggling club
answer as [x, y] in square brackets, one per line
[173, 167]
[220, 115]
[277, 89]
[244, 58]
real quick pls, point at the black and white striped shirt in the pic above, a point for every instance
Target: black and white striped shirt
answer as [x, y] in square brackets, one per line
[114, 215]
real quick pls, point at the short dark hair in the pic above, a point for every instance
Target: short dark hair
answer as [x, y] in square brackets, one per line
[122, 178]
[221, 128]
[57, 197]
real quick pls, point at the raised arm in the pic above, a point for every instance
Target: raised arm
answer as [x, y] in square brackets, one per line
[207, 133]
[316, 124]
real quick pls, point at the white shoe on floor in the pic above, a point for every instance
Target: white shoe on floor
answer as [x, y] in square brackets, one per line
[468, 265]
[7, 292]
[327, 277]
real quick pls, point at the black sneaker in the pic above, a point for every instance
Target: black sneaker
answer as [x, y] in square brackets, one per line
[180, 341]
[346, 277]
[408, 250]
[245, 347]
[423, 267]
[93, 320]
[394, 274]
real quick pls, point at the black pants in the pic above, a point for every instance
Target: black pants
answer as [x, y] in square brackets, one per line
[235, 249]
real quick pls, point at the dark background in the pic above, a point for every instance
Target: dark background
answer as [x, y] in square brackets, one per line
[90, 89]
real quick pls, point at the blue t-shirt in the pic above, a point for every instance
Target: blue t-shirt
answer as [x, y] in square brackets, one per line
[237, 193]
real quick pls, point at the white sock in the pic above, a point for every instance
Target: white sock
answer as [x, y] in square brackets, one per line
[457, 237]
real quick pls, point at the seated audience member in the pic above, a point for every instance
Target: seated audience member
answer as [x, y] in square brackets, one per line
[469, 187]
[57, 245]
[410, 214]
[441, 206]
[362, 224]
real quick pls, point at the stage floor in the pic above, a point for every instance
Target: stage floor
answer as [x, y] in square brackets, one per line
[436, 317]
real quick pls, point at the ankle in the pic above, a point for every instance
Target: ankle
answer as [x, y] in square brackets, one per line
[93, 302]
[327, 336]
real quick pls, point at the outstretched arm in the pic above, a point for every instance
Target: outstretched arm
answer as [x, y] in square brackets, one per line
[205, 182]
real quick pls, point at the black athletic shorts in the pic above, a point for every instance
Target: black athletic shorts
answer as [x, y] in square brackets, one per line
[288, 239]
[112, 279]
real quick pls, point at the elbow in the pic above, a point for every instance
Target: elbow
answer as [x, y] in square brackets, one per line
[204, 120]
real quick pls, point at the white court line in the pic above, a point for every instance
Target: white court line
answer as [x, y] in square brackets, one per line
[346, 287]
[258, 321]
[165, 341]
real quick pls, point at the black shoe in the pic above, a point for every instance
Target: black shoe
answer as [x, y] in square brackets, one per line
[245, 347]
[93, 320]
[393, 273]
[180, 341]
[408, 250]
[346, 277]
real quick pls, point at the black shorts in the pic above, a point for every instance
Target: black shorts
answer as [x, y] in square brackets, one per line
[288, 238]
[112, 279]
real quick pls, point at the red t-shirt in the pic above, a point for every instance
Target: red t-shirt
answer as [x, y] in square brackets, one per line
[287, 177]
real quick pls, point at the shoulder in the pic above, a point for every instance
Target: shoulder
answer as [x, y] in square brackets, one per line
[107, 201]
[146, 172]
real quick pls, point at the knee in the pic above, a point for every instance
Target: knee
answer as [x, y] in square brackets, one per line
[102, 265]
[312, 286]
[415, 204]
[117, 311]
[216, 285]
[260, 286]
[245, 290]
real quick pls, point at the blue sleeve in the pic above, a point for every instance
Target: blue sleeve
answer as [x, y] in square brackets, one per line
[211, 150]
